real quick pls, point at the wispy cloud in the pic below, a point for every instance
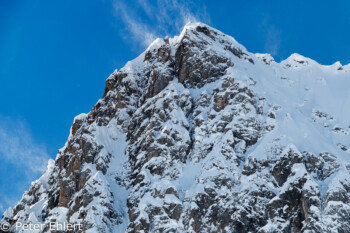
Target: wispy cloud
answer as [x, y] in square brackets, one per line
[6, 201]
[138, 30]
[22, 160]
[146, 20]
[18, 148]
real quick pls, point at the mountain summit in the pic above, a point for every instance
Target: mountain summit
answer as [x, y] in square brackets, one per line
[199, 135]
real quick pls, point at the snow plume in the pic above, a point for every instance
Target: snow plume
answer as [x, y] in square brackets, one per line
[146, 20]
[272, 36]
[273, 40]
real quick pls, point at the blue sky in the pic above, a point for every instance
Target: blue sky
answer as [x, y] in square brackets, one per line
[55, 56]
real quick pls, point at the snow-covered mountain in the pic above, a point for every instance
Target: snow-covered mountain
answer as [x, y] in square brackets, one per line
[199, 135]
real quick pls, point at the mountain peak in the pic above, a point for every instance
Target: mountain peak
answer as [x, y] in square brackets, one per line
[199, 135]
[214, 34]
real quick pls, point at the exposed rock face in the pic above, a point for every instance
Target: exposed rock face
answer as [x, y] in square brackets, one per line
[199, 135]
